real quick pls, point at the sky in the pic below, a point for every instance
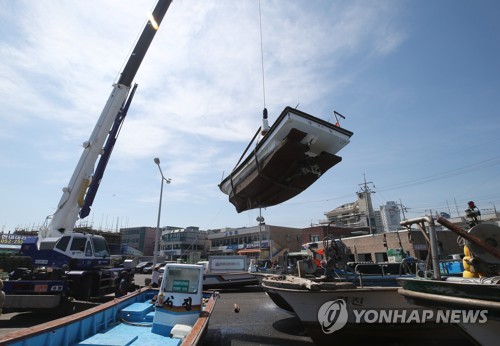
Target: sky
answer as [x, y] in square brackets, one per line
[418, 82]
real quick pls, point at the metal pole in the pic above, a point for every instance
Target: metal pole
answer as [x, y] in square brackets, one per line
[432, 240]
[158, 233]
[260, 219]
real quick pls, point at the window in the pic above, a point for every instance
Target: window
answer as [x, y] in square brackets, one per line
[78, 244]
[381, 257]
[184, 280]
[62, 244]
[100, 247]
[365, 257]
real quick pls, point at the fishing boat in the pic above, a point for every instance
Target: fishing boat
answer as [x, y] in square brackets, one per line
[341, 312]
[292, 154]
[477, 292]
[221, 272]
[175, 314]
[353, 306]
[362, 276]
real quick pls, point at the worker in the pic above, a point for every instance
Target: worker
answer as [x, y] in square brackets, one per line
[155, 277]
[123, 286]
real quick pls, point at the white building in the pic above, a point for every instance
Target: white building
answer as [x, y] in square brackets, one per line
[389, 213]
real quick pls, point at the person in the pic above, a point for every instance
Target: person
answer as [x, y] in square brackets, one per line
[122, 286]
[155, 277]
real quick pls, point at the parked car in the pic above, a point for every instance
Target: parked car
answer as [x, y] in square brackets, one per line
[140, 267]
[163, 264]
[147, 269]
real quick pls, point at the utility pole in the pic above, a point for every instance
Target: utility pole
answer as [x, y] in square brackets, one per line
[456, 206]
[365, 190]
[403, 209]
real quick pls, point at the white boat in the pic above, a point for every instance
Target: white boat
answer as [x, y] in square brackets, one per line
[340, 312]
[222, 272]
[176, 314]
[296, 150]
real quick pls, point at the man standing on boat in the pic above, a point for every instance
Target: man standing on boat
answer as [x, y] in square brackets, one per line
[123, 285]
[155, 277]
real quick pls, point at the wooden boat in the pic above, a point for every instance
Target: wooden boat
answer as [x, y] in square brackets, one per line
[472, 295]
[296, 150]
[340, 312]
[175, 314]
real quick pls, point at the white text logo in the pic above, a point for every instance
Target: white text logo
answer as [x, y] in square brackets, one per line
[333, 316]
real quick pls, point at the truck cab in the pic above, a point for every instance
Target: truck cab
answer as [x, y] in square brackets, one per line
[76, 250]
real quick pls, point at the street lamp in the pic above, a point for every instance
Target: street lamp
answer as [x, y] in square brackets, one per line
[157, 236]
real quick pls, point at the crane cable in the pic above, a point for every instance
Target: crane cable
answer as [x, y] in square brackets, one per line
[262, 58]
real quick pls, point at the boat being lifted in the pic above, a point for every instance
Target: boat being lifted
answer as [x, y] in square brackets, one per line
[294, 152]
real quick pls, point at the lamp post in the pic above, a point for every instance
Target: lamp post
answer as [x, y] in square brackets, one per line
[157, 235]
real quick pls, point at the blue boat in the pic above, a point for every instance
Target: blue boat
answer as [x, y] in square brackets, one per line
[175, 314]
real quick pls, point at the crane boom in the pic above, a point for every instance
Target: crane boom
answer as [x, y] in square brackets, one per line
[72, 199]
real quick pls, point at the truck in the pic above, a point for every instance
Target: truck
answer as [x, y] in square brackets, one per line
[68, 265]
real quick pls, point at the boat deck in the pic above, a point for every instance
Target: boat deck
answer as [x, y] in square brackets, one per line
[134, 328]
[122, 325]
[127, 334]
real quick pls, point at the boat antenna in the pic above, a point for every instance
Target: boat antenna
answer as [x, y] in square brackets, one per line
[262, 59]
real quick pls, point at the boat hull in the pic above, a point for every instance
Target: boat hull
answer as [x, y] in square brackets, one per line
[464, 295]
[308, 303]
[293, 154]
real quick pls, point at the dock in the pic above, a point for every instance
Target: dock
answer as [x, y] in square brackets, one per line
[258, 322]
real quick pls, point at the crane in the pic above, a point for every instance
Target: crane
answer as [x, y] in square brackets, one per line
[78, 196]
[71, 264]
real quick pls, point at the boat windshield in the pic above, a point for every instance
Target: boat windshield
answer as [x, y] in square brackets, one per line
[184, 280]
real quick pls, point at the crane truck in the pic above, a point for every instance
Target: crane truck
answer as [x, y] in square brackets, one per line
[67, 264]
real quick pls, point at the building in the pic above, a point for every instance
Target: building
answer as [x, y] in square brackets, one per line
[358, 215]
[138, 241]
[318, 233]
[265, 242]
[376, 248]
[390, 217]
[187, 243]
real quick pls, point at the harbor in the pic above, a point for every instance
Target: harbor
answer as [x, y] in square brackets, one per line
[366, 272]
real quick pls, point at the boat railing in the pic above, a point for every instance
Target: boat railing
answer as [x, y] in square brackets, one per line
[381, 269]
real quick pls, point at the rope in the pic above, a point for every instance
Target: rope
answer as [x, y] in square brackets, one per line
[246, 149]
